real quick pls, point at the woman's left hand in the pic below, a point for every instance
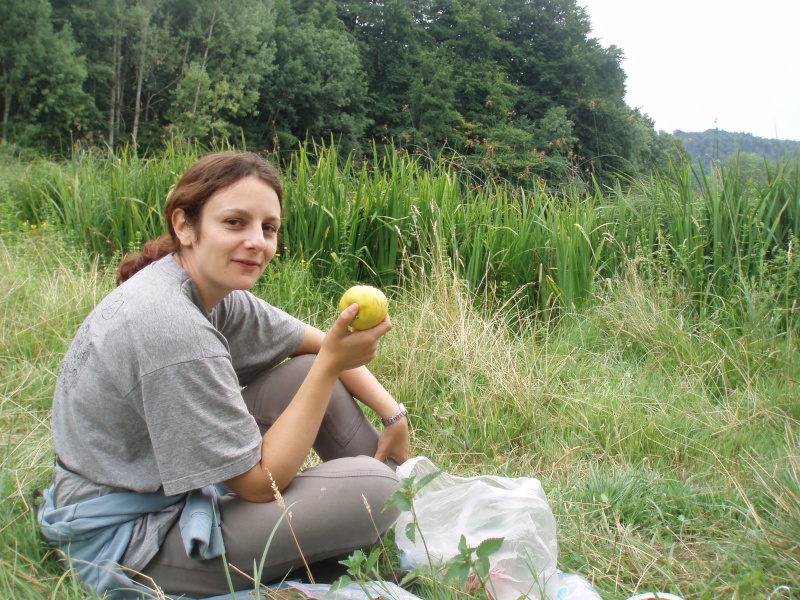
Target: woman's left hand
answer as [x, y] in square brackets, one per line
[393, 442]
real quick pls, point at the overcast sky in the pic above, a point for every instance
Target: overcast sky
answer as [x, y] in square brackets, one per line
[691, 62]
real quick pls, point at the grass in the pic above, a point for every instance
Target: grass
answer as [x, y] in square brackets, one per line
[46, 292]
[668, 444]
[635, 348]
[368, 221]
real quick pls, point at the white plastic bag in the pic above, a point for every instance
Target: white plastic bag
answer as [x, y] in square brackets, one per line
[575, 587]
[480, 508]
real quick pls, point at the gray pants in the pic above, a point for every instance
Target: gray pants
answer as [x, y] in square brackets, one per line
[329, 519]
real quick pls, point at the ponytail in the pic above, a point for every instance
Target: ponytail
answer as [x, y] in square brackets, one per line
[151, 252]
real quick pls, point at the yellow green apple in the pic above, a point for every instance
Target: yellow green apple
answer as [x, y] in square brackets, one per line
[372, 305]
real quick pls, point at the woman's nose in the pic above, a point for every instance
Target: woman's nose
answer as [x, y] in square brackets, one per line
[255, 238]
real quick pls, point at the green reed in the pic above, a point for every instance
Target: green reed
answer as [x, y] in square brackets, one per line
[373, 220]
[108, 203]
[662, 416]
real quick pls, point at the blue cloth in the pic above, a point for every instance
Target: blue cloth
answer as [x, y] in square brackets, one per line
[94, 534]
[201, 524]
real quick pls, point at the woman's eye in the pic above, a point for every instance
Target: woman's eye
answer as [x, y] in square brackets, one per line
[234, 222]
[268, 228]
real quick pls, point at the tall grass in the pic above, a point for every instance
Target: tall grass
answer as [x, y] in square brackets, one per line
[47, 287]
[667, 444]
[362, 221]
[109, 203]
[714, 230]
[356, 221]
[659, 476]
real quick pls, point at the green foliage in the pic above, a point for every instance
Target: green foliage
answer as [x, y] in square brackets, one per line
[669, 150]
[403, 498]
[109, 203]
[408, 489]
[318, 90]
[714, 146]
[473, 562]
[513, 89]
[218, 88]
[361, 568]
[666, 438]
[196, 87]
[349, 221]
[41, 76]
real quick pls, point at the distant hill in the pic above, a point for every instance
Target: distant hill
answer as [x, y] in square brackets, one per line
[715, 144]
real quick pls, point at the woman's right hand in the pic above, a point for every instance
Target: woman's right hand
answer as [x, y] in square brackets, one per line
[286, 444]
[344, 349]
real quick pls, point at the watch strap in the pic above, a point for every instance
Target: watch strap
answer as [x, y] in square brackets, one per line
[403, 412]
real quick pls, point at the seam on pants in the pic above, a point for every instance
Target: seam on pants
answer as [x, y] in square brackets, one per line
[348, 474]
[348, 436]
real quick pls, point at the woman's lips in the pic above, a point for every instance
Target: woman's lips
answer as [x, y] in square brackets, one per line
[248, 264]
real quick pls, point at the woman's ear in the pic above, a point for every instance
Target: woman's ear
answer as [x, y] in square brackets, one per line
[183, 229]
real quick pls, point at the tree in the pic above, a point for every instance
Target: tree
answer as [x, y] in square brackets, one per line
[317, 89]
[515, 87]
[228, 52]
[670, 150]
[430, 116]
[149, 48]
[391, 42]
[551, 56]
[470, 30]
[101, 28]
[41, 75]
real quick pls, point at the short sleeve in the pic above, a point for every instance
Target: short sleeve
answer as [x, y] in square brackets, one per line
[200, 430]
[259, 335]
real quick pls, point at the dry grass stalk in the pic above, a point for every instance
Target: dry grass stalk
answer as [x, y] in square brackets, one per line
[282, 504]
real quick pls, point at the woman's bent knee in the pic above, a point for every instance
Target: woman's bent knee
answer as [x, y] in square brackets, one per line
[364, 482]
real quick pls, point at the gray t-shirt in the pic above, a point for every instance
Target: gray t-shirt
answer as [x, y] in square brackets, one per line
[148, 395]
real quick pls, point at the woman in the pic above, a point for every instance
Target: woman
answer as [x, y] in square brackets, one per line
[150, 418]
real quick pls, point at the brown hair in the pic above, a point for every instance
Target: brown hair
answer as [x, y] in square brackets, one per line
[206, 177]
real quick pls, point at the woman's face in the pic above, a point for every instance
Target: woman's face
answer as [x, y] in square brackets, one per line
[238, 237]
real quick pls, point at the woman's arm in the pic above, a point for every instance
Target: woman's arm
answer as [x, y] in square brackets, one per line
[361, 383]
[287, 443]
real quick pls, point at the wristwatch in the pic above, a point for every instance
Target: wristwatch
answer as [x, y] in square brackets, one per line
[403, 412]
